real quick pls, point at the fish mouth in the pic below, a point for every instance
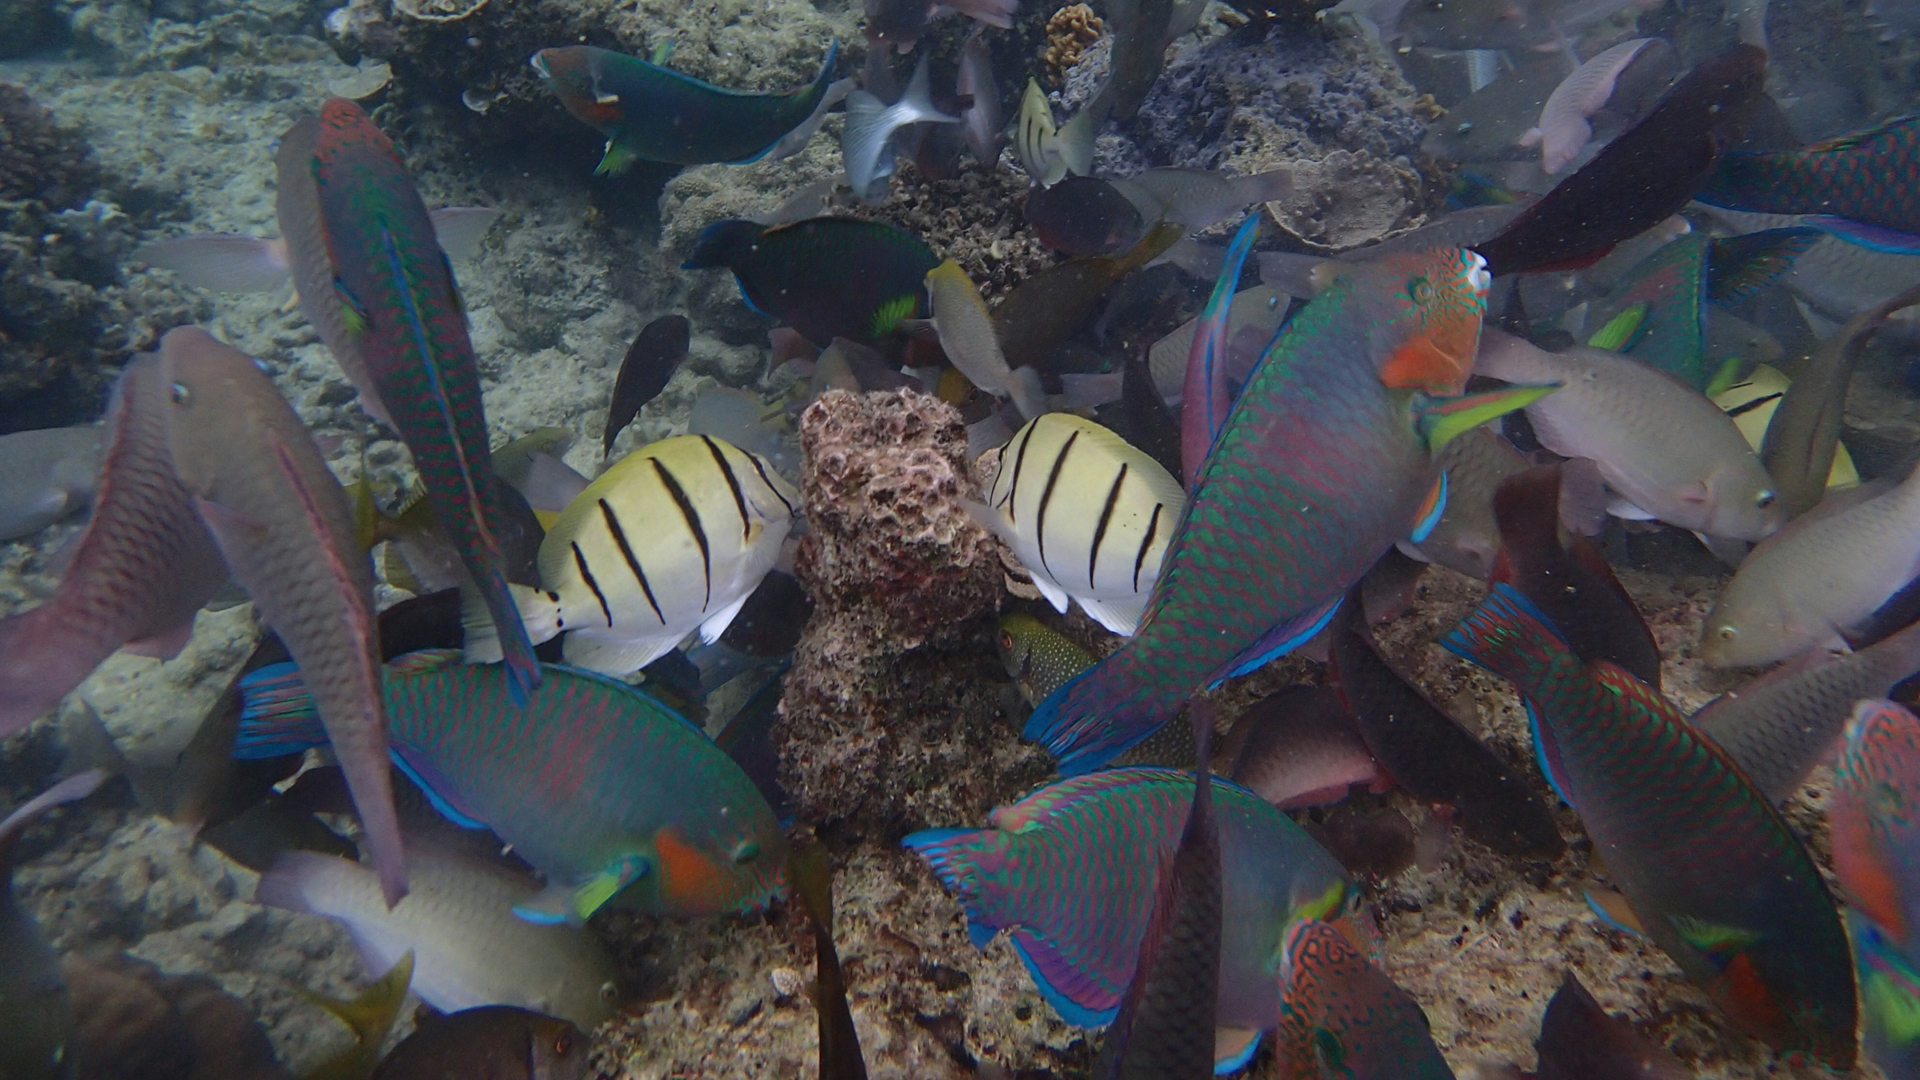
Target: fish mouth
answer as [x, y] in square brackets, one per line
[538, 61]
[1478, 277]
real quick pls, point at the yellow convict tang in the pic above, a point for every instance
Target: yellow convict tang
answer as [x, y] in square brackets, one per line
[673, 538]
[1089, 515]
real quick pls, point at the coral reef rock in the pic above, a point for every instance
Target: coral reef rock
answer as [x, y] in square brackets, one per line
[1069, 32]
[886, 718]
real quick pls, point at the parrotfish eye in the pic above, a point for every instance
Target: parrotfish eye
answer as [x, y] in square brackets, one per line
[1765, 500]
[1727, 633]
[608, 991]
[1421, 290]
[563, 1044]
[745, 851]
[179, 394]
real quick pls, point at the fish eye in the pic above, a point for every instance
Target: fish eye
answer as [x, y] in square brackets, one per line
[1006, 641]
[1765, 500]
[608, 991]
[1465, 126]
[1420, 289]
[563, 1044]
[746, 851]
[179, 394]
[1727, 633]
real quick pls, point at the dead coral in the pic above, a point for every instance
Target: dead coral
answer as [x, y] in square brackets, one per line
[1069, 32]
[974, 219]
[38, 159]
[887, 717]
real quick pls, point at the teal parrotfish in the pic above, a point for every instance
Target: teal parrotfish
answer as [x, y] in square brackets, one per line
[653, 113]
[1712, 872]
[596, 784]
[1865, 185]
[1875, 833]
[826, 277]
[1070, 872]
[1342, 1016]
[402, 312]
[1323, 463]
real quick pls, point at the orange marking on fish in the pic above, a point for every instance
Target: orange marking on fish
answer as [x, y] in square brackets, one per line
[1437, 361]
[1744, 994]
[1868, 883]
[690, 882]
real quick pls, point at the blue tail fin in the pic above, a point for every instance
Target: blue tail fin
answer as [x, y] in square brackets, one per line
[523, 670]
[277, 714]
[1095, 716]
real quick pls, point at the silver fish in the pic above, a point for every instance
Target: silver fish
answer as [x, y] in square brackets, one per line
[1661, 445]
[50, 474]
[1201, 198]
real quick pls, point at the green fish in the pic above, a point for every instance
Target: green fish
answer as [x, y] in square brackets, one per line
[826, 277]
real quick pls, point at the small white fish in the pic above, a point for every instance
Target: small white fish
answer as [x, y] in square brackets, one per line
[1048, 153]
[50, 473]
[469, 948]
[866, 143]
[1088, 514]
[672, 539]
[1563, 128]
[236, 263]
[1201, 198]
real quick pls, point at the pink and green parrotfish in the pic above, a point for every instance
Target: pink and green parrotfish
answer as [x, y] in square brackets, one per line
[284, 526]
[1324, 462]
[1875, 822]
[1343, 1017]
[599, 786]
[141, 569]
[1866, 184]
[1072, 870]
[1712, 872]
[394, 295]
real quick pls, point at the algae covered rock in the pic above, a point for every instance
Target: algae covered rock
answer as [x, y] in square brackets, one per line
[885, 716]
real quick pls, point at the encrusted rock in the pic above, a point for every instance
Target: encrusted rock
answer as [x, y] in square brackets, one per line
[1069, 32]
[883, 717]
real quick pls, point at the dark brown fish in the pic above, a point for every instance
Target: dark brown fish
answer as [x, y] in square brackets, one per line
[493, 1042]
[1568, 580]
[810, 869]
[133, 1021]
[1038, 316]
[651, 360]
[1430, 754]
[1640, 178]
[1297, 748]
[1082, 215]
[1579, 1040]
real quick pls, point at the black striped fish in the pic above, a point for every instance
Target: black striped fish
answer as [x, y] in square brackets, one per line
[672, 539]
[1089, 515]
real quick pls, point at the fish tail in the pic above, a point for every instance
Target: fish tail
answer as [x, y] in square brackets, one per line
[954, 857]
[1097, 714]
[278, 715]
[1206, 382]
[1507, 635]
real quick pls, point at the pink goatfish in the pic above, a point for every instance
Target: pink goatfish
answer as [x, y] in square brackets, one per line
[143, 567]
[286, 529]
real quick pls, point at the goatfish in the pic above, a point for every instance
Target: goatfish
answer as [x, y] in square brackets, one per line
[1865, 179]
[1324, 462]
[600, 787]
[469, 949]
[1070, 873]
[967, 336]
[1048, 153]
[1782, 724]
[826, 277]
[287, 534]
[673, 538]
[1811, 583]
[142, 567]
[1088, 515]
[494, 1042]
[1711, 871]
[1660, 444]
[50, 475]
[1343, 1012]
[653, 113]
[1872, 815]
[392, 293]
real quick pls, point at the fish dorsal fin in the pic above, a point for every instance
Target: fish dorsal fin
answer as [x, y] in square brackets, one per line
[1854, 138]
[620, 686]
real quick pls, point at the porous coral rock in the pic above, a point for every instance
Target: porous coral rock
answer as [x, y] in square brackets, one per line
[1069, 32]
[886, 717]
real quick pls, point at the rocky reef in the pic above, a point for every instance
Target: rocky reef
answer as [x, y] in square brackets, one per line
[886, 718]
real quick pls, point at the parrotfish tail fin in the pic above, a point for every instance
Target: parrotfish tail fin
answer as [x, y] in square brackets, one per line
[1506, 634]
[1740, 266]
[722, 243]
[1620, 331]
[952, 854]
[1233, 1049]
[1206, 382]
[1100, 713]
[1442, 420]
[1730, 371]
[277, 714]
[1871, 237]
[818, 88]
[1432, 509]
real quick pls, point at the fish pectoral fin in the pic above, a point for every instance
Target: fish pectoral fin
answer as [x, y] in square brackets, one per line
[1233, 1048]
[353, 312]
[1441, 420]
[227, 524]
[1612, 908]
[1120, 616]
[551, 906]
[1055, 595]
[1696, 493]
[1431, 509]
[718, 622]
[1720, 941]
[616, 160]
[1619, 330]
[604, 886]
